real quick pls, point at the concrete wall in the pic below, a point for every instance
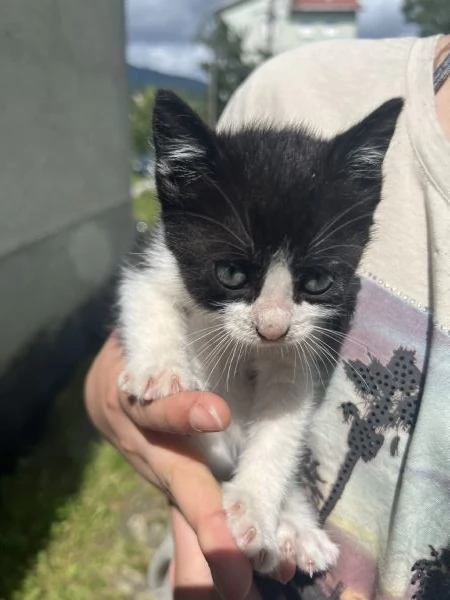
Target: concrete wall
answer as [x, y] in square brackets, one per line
[64, 160]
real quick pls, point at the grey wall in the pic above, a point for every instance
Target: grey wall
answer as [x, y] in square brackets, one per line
[64, 160]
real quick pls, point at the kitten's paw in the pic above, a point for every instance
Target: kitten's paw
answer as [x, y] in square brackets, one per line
[250, 530]
[309, 547]
[146, 388]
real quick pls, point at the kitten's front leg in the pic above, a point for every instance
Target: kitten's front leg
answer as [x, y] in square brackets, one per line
[267, 466]
[300, 538]
[254, 498]
[153, 331]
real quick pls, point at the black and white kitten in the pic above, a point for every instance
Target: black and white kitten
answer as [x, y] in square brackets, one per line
[245, 289]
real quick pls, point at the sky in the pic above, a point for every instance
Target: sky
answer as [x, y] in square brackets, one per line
[160, 33]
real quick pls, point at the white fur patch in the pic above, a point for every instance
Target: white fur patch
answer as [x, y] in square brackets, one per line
[365, 160]
[272, 311]
[182, 157]
[183, 150]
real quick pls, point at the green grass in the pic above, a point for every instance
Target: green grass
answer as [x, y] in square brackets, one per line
[136, 178]
[146, 207]
[62, 514]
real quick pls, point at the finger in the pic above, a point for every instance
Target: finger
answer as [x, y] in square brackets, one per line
[199, 497]
[188, 412]
[192, 576]
[171, 463]
[285, 571]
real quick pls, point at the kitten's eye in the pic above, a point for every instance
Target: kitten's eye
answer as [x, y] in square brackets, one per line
[231, 275]
[317, 282]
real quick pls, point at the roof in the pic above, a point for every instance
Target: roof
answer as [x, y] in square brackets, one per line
[325, 5]
[304, 5]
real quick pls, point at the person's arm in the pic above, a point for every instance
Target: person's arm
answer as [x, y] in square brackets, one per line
[144, 434]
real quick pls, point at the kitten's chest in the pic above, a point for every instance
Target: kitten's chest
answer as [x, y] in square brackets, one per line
[222, 450]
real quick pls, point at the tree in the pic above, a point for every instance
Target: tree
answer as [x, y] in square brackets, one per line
[228, 65]
[432, 16]
[141, 116]
[140, 119]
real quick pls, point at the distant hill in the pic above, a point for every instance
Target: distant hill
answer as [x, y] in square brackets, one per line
[140, 77]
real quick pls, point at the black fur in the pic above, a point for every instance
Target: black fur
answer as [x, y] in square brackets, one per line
[250, 193]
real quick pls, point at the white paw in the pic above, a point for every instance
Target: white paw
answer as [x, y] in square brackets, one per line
[250, 530]
[307, 545]
[146, 387]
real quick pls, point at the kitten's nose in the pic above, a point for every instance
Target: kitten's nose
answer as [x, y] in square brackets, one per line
[272, 332]
[271, 320]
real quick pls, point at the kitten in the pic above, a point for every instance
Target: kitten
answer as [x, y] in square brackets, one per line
[246, 288]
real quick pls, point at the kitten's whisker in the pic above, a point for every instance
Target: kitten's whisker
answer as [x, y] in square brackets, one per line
[338, 357]
[215, 349]
[318, 252]
[230, 342]
[222, 349]
[241, 348]
[294, 366]
[209, 334]
[208, 219]
[204, 329]
[320, 350]
[315, 241]
[341, 337]
[316, 366]
[214, 352]
[306, 363]
[231, 205]
[336, 229]
[230, 364]
[216, 356]
[240, 251]
[327, 354]
[204, 335]
[207, 346]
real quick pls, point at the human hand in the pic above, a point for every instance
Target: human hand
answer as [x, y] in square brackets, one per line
[148, 435]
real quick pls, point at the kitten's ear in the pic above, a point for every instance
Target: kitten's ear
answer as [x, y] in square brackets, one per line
[185, 147]
[359, 152]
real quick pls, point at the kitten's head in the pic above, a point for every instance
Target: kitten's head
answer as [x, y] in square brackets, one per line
[268, 225]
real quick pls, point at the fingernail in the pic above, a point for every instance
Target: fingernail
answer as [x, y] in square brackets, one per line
[204, 418]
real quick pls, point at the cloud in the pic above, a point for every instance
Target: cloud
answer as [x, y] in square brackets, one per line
[165, 21]
[161, 33]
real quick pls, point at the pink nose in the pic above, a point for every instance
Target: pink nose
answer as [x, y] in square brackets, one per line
[271, 320]
[272, 333]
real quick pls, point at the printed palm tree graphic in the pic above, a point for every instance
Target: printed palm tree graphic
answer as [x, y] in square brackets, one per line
[390, 398]
[432, 575]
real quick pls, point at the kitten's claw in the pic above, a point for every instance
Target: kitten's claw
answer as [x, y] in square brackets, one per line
[248, 537]
[147, 388]
[250, 529]
[314, 552]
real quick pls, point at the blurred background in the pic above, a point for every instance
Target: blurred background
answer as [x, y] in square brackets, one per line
[78, 81]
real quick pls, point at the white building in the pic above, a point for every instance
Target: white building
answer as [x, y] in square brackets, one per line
[278, 25]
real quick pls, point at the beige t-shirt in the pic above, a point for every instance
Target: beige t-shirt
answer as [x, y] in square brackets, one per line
[382, 437]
